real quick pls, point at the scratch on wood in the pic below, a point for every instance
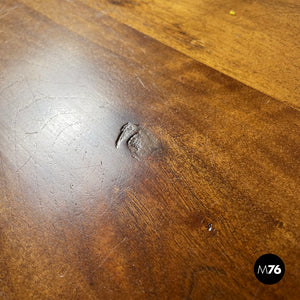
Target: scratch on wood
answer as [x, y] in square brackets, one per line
[56, 115]
[140, 80]
[23, 165]
[7, 11]
[8, 86]
[109, 253]
[63, 130]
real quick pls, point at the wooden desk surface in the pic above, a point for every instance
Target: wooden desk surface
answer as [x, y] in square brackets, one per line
[81, 219]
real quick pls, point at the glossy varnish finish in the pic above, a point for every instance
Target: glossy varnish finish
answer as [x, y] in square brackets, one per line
[81, 219]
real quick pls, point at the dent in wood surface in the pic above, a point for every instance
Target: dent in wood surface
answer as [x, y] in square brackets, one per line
[139, 140]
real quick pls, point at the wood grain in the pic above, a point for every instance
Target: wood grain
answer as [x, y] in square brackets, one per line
[259, 46]
[80, 219]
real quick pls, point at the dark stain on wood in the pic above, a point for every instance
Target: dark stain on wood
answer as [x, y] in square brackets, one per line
[123, 3]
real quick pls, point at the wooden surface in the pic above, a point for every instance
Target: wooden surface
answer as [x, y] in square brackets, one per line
[80, 219]
[258, 46]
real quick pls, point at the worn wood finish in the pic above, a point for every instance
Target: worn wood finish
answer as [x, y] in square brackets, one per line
[80, 219]
[258, 46]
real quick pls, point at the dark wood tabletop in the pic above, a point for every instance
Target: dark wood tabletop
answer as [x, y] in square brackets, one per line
[204, 99]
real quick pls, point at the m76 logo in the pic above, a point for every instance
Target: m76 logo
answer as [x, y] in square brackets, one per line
[269, 269]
